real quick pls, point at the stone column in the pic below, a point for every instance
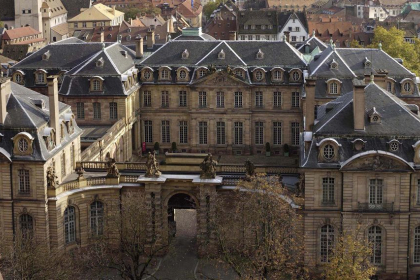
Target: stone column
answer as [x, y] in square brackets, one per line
[206, 237]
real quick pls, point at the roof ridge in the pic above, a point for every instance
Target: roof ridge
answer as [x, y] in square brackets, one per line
[85, 62]
[336, 113]
[299, 54]
[110, 60]
[22, 108]
[348, 67]
[321, 63]
[208, 53]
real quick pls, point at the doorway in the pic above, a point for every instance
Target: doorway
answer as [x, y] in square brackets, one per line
[182, 216]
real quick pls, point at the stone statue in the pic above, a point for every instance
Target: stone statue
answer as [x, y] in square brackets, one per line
[208, 168]
[112, 169]
[300, 186]
[250, 169]
[212, 68]
[79, 170]
[152, 169]
[51, 178]
[229, 70]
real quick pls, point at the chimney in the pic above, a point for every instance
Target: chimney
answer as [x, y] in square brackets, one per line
[139, 46]
[113, 9]
[4, 93]
[232, 35]
[359, 104]
[101, 36]
[309, 107]
[150, 38]
[53, 104]
[287, 34]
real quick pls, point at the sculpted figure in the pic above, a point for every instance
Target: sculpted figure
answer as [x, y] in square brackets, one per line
[51, 178]
[250, 168]
[152, 169]
[208, 168]
[300, 190]
[112, 169]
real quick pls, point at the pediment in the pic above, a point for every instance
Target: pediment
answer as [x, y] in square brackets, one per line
[219, 79]
[376, 162]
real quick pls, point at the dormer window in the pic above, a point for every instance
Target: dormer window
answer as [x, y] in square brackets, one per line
[22, 144]
[277, 75]
[18, 77]
[358, 144]
[49, 138]
[295, 75]
[201, 72]
[182, 74]
[147, 74]
[328, 150]
[164, 74]
[334, 65]
[374, 116]
[239, 72]
[390, 86]
[40, 76]
[96, 84]
[221, 55]
[407, 86]
[394, 145]
[259, 75]
[260, 54]
[100, 62]
[367, 63]
[185, 54]
[46, 55]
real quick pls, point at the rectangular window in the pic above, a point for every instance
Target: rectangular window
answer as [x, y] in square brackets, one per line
[202, 131]
[63, 165]
[147, 98]
[316, 112]
[221, 133]
[220, 99]
[239, 131]
[259, 99]
[84, 24]
[295, 100]
[277, 133]
[295, 133]
[76, 24]
[165, 98]
[182, 98]
[80, 108]
[202, 99]
[40, 78]
[259, 133]
[375, 192]
[416, 253]
[293, 38]
[24, 184]
[148, 132]
[113, 111]
[96, 110]
[277, 99]
[166, 132]
[183, 132]
[238, 99]
[328, 190]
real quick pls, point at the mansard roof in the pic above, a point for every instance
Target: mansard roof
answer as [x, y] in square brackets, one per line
[242, 53]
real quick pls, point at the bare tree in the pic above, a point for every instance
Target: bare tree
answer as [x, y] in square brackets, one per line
[125, 247]
[259, 232]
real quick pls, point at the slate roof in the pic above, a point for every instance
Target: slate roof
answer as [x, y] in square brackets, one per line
[257, 18]
[312, 42]
[22, 113]
[338, 123]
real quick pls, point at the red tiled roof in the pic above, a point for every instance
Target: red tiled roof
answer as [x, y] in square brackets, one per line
[20, 32]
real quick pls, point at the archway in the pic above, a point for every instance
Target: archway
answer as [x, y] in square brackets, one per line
[182, 215]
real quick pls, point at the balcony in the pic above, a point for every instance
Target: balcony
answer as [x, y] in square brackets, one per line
[369, 207]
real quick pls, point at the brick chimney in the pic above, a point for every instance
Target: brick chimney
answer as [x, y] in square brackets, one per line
[359, 112]
[139, 46]
[232, 35]
[309, 106]
[53, 106]
[150, 38]
[5, 90]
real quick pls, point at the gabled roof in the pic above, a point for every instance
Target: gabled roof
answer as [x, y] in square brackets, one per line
[19, 33]
[312, 42]
[73, 6]
[97, 12]
[322, 66]
[55, 7]
[285, 17]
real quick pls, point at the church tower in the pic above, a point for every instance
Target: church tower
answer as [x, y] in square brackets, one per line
[28, 12]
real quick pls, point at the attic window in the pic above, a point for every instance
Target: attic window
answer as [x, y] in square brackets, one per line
[393, 145]
[221, 55]
[367, 63]
[46, 55]
[185, 54]
[239, 73]
[100, 62]
[334, 65]
[374, 116]
[260, 54]
[358, 144]
[407, 87]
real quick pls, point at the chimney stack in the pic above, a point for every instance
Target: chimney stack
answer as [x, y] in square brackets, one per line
[287, 34]
[309, 106]
[53, 106]
[102, 36]
[150, 38]
[359, 104]
[113, 9]
[232, 35]
[5, 90]
[139, 46]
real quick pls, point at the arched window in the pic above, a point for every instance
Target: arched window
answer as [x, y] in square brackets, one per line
[70, 224]
[333, 88]
[164, 74]
[296, 76]
[407, 87]
[147, 74]
[18, 78]
[259, 75]
[375, 241]
[277, 75]
[96, 85]
[416, 253]
[23, 145]
[26, 226]
[97, 218]
[326, 242]
[328, 152]
[182, 74]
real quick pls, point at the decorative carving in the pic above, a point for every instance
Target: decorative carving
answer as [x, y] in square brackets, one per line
[212, 68]
[300, 186]
[51, 178]
[377, 163]
[229, 71]
[112, 169]
[152, 168]
[250, 169]
[80, 170]
[208, 168]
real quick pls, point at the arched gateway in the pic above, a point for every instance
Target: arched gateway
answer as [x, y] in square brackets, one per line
[182, 214]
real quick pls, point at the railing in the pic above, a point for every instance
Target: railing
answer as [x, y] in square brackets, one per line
[129, 179]
[70, 186]
[382, 207]
[93, 181]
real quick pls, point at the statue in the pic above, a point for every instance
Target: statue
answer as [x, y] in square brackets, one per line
[300, 186]
[51, 178]
[212, 68]
[208, 168]
[79, 170]
[250, 169]
[152, 169]
[112, 169]
[229, 70]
